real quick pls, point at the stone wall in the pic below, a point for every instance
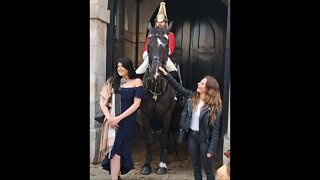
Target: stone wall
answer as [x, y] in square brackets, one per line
[99, 17]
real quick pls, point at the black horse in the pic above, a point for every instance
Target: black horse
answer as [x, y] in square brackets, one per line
[156, 109]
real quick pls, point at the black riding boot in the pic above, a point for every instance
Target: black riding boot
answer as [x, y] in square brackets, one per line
[175, 75]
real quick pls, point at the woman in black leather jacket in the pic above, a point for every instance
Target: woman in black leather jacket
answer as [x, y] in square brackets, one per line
[201, 120]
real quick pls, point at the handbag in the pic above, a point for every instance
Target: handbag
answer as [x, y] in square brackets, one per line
[99, 116]
[184, 115]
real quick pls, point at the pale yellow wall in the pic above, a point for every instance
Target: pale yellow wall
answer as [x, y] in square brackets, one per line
[146, 10]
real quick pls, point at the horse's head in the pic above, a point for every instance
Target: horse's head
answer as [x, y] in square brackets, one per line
[158, 48]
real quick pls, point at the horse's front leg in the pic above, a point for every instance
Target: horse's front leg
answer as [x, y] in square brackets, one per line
[146, 168]
[172, 140]
[173, 130]
[164, 141]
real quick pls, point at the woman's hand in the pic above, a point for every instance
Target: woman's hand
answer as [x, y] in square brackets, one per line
[114, 122]
[227, 153]
[164, 72]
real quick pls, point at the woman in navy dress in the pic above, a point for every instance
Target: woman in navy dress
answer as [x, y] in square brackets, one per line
[125, 81]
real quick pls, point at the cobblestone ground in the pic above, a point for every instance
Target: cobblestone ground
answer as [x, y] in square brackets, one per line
[179, 166]
[96, 173]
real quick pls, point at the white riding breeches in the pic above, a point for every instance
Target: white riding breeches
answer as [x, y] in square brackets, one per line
[143, 67]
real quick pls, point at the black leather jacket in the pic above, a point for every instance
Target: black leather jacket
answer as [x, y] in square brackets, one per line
[209, 133]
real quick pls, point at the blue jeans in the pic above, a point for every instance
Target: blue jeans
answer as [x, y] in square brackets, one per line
[198, 153]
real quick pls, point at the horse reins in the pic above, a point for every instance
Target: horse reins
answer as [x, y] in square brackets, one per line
[154, 93]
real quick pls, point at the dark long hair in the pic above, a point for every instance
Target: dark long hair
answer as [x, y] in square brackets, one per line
[128, 65]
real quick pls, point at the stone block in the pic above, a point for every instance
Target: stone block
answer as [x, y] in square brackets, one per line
[95, 134]
[98, 33]
[98, 10]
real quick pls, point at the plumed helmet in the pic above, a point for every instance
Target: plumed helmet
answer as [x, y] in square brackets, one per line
[162, 14]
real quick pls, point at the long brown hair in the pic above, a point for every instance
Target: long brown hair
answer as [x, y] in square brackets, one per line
[212, 98]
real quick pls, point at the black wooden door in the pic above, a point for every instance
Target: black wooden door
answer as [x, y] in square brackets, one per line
[199, 50]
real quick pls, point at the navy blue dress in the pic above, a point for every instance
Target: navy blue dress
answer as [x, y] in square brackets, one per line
[125, 130]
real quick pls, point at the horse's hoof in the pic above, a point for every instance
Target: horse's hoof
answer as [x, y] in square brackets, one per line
[161, 171]
[146, 169]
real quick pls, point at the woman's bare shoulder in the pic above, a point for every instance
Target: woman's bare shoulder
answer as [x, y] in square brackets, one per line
[137, 82]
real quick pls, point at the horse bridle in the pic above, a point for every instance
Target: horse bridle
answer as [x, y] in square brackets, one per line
[164, 62]
[154, 92]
